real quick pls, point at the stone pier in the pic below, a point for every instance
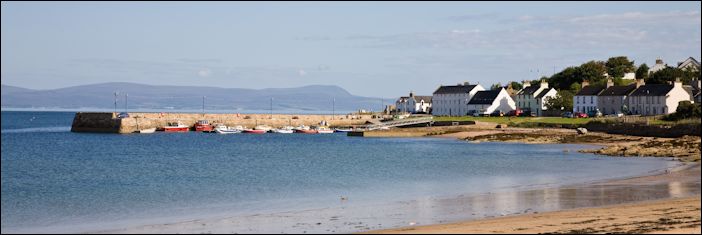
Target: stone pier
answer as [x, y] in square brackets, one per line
[109, 123]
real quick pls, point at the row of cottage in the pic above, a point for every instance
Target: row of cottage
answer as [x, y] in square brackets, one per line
[636, 98]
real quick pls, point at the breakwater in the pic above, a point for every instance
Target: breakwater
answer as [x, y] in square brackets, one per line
[109, 122]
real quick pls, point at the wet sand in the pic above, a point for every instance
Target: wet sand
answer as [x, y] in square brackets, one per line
[634, 205]
[682, 182]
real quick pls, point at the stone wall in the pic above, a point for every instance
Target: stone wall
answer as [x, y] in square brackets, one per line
[105, 122]
[646, 130]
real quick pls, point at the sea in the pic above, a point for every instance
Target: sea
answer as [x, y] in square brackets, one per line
[54, 180]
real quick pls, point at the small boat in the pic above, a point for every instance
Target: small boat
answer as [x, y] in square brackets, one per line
[283, 130]
[343, 130]
[203, 125]
[304, 130]
[222, 129]
[323, 130]
[254, 131]
[176, 127]
[146, 131]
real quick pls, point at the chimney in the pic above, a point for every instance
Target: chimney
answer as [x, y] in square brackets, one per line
[640, 82]
[526, 84]
[466, 83]
[677, 83]
[610, 83]
[659, 61]
[584, 84]
[544, 84]
[411, 94]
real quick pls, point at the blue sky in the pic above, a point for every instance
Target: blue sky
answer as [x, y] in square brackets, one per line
[383, 49]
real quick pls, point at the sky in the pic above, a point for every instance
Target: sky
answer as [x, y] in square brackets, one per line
[377, 49]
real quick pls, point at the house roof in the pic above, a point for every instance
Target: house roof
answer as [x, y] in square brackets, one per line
[653, 90]
[590, 90]
[528, 90]
[460, 89]
[484, 97]
[426, 98]
[690, 90]
[618, 90]
[402, 99]
[689, 61]
[543, 93]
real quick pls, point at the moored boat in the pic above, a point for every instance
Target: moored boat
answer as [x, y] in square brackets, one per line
[146, 131]
[203, 125]
[254, 131]
[343, 130]
[176, 127]
[283, 130]
[222, 129]
[323, 130]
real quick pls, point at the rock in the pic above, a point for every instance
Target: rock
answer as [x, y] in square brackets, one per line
[581, 130]
[500, 126]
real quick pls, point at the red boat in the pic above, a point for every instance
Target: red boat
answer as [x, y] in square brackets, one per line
[204, 125]
[176, 127]
[254, 131]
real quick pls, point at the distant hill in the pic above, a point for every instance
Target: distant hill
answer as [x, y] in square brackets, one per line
[140, 96]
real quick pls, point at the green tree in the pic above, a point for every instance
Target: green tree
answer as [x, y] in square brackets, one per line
[618, 66]
[496, 86]
[642, 72]
[563, 99]
[575, 87]
[668, 74]
[686, 109]
[516, 86]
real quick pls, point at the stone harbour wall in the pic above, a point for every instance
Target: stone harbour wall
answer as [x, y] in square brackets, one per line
[107, 122]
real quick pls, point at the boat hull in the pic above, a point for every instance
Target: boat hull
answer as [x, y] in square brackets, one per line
[254, 131]
[205, 128]
[325, 131]
[306, 131]
[176, 129]
[146, 131]
[227, 131]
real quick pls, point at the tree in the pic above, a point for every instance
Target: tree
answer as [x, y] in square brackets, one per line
[618, 66]
[642, 72]
[563, 99]
[685, 110]
[496, 86]
[669, 74]
[516, 86]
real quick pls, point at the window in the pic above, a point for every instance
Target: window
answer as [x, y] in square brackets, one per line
[591, 98]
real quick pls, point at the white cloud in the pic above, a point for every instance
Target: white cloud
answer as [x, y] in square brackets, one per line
[206, 72]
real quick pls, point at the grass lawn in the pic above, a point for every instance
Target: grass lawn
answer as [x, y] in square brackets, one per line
[507, 120]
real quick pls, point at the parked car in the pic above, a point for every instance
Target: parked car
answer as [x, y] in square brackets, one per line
[515, 113]
[528, 114]
[497, 113]
[473, 113]
[594, 113]
[568, 115]
[580, 115]
[123, 115]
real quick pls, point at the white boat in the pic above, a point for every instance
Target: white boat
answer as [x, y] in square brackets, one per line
[343, 130]
[283, 130]
[222, 129]
[146, 131]
[323, 130]
[264, 128]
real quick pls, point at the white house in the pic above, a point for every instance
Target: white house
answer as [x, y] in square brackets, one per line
[586, 99]
[656, 99]
[413, 104]
[452, 100]
[689, 64]
[533, 98]
[486, 102]
[658, 66]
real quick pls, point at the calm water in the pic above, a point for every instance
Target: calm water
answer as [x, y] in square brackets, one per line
[52, 177]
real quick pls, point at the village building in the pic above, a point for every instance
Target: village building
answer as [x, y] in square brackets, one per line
[413, 104]
[453, 100]
[534, 98]
[586, 99]
[657, 99]
[613, 99]
[487, 102]
[689, 64]
[657, 67]
[696, 90]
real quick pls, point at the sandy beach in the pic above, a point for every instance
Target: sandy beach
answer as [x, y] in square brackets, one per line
[676, 216]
